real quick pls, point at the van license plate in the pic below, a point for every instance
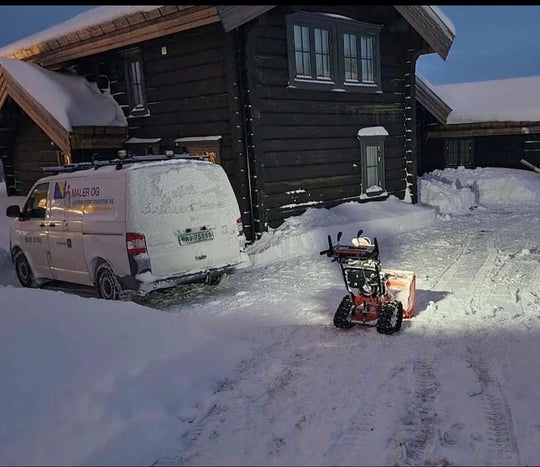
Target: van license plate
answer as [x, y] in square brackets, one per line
[195, 237]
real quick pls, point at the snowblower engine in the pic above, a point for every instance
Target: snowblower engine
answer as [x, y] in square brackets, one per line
[376, 297]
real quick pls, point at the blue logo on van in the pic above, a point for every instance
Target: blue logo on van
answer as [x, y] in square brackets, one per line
[60, 190]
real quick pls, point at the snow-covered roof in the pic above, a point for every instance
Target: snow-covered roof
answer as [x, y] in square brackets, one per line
[372, 131]
[514, 99]
[135, 140]
[70, 99]
[187, 139]
[427, 97]
[87, 19]
[129, 22]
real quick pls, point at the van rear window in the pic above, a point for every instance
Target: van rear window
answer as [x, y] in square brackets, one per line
[169, 189]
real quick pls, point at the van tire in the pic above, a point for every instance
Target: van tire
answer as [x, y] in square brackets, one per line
[214, 280]
[107, 285]
[24, 271]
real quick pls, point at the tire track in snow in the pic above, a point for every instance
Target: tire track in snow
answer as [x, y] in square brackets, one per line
[502, 441]
[426, 389]
[351, 436]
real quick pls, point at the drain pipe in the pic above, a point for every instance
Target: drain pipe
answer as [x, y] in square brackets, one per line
[243, 117]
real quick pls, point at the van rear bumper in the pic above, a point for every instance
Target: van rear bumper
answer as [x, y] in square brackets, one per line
[141, 287]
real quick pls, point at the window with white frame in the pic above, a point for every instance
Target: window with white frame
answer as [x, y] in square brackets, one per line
[332, 52]
[133, 64]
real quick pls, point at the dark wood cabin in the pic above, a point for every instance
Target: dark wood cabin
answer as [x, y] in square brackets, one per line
[483, 141]
[276, 94]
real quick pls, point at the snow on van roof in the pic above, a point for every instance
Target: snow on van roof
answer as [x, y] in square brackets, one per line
[513, 99]
[89, 18]
[69, 98]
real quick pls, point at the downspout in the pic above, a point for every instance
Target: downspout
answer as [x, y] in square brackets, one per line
[244, 117]
[411, 148]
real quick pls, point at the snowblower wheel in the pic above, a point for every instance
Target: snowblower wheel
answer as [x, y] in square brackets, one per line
[342, 316]
[390, 317]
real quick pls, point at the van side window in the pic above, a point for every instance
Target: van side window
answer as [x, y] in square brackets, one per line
[36, 205]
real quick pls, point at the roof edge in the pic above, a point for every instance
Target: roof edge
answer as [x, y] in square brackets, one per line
[431, 101]
[431, 27]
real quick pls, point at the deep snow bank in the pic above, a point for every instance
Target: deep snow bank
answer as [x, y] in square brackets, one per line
[455, 191]
[87, 381]
[307, 234]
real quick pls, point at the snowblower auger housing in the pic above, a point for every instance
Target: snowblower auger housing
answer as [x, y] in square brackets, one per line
[376, 297]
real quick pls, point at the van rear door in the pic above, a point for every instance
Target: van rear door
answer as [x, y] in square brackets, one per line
[188, 214]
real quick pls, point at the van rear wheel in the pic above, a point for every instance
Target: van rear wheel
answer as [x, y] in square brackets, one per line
[24, 271]
[107, 286]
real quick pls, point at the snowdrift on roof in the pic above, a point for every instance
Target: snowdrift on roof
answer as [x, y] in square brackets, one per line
[69, 98]
[515, 99]
[89, 18]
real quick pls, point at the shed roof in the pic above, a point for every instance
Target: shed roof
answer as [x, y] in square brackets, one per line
[57, 102]
[505, 100]
[426, 96]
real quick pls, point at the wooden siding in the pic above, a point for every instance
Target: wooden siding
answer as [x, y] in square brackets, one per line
[489, 151]
[191, 91]
[304, 141]
[34, 150]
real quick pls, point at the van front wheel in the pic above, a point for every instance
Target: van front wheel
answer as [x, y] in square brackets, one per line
[106, 284]
[24, 271]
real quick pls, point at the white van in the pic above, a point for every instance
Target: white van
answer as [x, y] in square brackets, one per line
[134, 225]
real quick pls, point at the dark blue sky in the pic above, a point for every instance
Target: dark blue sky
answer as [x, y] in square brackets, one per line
[492, 42]
[18, 22]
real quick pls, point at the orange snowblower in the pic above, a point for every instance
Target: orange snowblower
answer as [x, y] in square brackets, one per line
[377, 297]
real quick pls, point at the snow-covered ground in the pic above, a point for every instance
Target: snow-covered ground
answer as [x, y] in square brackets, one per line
[253, 372]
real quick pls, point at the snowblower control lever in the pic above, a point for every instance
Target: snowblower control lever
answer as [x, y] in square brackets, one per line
[330, 251]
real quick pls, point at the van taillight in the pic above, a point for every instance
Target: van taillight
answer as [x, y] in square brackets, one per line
[240, 226]
[136, 244]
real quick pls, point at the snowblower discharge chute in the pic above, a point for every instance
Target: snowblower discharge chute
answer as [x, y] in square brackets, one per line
[376, 297]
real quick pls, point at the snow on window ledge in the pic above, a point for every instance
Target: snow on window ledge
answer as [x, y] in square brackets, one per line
[374, 192]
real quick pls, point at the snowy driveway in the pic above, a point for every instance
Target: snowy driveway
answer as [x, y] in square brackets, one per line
[458, 384]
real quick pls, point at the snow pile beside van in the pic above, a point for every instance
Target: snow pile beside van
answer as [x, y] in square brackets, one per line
[492, 186]
[87, 381]
[307, 234]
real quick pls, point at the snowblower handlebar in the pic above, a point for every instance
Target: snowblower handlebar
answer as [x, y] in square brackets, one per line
[330, 251]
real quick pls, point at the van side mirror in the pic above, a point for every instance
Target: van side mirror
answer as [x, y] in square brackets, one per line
[13, 211]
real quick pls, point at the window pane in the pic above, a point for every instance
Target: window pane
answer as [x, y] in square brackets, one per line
[322, 57]
[350, 57]
[452, 156]
[368, 63]
[135, 77]
[465, 158]
[302, 52]
[372, 166]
